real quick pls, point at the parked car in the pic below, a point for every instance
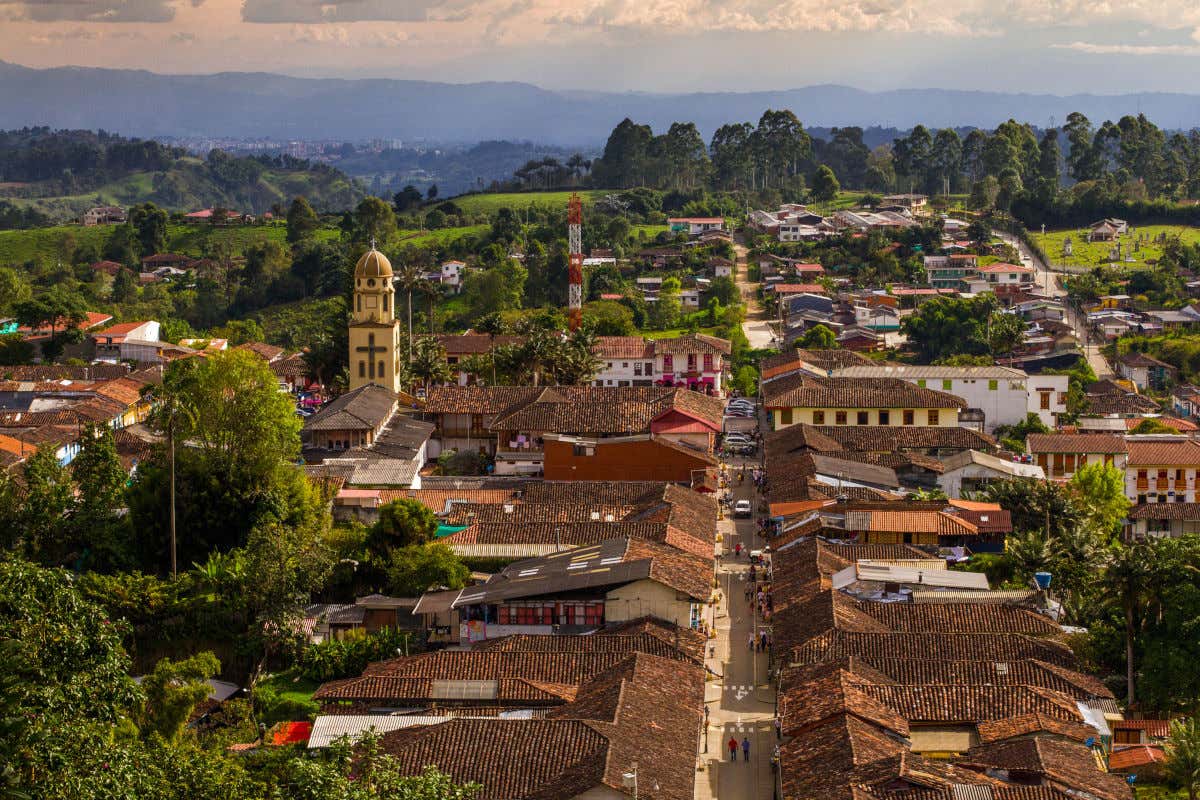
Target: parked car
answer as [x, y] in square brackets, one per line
[742, 508]
[743, 449]
[738, 438]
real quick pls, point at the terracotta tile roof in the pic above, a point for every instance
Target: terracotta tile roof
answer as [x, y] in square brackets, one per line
[949, 646]
[938, 522]
[644, 709]
[693, 343]
[1160, 453]
[1156, 728]
[1068, 764]
[806, 391]
[1135, 359]
[605, 410]
[798, 437]
[476, 399]
[890, 438]
[810, 696]
[958, 703]
[60, 372]
[1139, 755]
[1182, 425]
[364, 409]
[1023, 672]
[634, 347]
[988, 522]
[268, 352]
[645, 635]
[959, 618]
[1119, 404]
[1107, 443]
[996, 730]
[1183, 511]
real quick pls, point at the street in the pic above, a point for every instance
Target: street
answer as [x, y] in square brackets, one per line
[1047, 279]
[741, 702]
[757, 325]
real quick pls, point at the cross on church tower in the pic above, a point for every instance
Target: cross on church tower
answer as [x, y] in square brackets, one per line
[371, 350]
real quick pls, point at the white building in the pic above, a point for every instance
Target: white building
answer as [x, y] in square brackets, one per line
[695, 361]
[1004, 395]
[128, 341]
[972, 471]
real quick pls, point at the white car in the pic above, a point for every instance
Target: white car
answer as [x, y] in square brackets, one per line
[742, 508]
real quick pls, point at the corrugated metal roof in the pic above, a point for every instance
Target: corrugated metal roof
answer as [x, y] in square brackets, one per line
[327, 729]
[952, 596]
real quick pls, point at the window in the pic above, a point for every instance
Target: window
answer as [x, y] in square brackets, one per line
[668, 362]
[909, 414]
[840, 418]
[1059, 463]
[362, 369]
[624, 365]
[1179, 476]
[649, 368]
[385, 302]
[885, 417]
[947, 385]
[993, 385]
[785, 416]
[934, 416]
[359, 298]
[708, 362]
[691, 362]
[1070, 462]
[1045, 401]
[381, 373]
[637, 368]
[818, 418]
[863, 418]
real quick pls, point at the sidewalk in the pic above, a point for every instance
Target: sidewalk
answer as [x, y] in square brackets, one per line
[741, 702]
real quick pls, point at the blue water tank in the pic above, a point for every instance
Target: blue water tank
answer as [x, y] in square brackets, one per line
[1043, 580]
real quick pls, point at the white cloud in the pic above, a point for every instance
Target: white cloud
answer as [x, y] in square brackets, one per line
[1095, 48]
[95, 10]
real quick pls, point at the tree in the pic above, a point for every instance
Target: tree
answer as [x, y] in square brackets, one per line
[984, 193]
[124, 287]
[1099, 490]
[406, 199]
[818, 337]
[416, 569]
[375, 221]
[15, 350]
[432, 192]
[609, 318]
[66, 657]
[240, 440]
[825, 184]
[14, 288]
[1183, 755]
[100, 478]
[47, 497]
[665, 313]
[121, 245]
[57, 308]
[979, 232]
[402, 523]
[1005, 333]
[408, 276]
[173, 689]
[1150, 425]
[947, 326]
[429, 366]
[1127, 578]
[301, 220]
[150, 224]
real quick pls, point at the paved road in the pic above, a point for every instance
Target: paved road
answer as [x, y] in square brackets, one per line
[741, 702]
[1048, 280]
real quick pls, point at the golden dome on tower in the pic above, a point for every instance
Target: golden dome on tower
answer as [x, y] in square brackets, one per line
[373, 264]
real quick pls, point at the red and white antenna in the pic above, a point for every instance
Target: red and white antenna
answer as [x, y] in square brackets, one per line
[575, 261]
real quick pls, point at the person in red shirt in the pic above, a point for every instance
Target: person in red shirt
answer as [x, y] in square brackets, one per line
[732, 748]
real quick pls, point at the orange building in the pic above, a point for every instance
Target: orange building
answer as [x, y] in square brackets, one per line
[644, 457]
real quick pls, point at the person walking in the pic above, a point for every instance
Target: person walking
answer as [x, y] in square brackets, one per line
[751, 642]
[763, 641]
[778, 729]
[745, 748]
[732, 749]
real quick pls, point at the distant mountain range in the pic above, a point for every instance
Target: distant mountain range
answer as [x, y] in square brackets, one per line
[146, 104]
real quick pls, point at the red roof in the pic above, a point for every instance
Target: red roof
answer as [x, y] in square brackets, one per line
[798, 288]
[697, 219]
[1137, 756]
[809, 268]
[611, 296]
[91, 320]
[292, 733]
[1006, 268]
[1158, 728]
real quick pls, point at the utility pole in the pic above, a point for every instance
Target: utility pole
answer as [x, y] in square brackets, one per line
[171, 439]
[575, 261]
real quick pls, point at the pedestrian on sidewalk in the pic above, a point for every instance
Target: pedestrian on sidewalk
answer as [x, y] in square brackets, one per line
[751, 642]
[732, 749]
[778, 729]
[763, 640]
[745, 748]
[747, 593]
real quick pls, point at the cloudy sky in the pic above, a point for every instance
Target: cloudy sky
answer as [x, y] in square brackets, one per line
[1054, 46]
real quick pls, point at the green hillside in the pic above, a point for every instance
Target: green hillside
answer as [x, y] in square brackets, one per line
[491, 203]
[45, 245]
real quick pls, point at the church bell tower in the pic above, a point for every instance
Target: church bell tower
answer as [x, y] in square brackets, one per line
[374, 332]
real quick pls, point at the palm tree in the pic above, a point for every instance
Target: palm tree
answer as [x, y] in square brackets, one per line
[428, 365]
[1030, 551]
[1129, 575]
[1183, 755]
[409, 277]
